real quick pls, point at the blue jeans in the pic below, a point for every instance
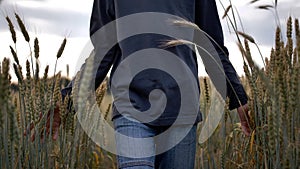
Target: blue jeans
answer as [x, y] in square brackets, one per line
[182, 155]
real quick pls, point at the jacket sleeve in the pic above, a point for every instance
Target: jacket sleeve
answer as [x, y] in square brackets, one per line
[102, 14]
[207, 18]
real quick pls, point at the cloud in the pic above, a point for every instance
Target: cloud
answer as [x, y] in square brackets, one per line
[61, 17]
[261, 24]
[51, 20]
[258, 23]
[51, 16]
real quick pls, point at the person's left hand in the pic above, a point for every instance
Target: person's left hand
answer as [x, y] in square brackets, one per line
[243, 112]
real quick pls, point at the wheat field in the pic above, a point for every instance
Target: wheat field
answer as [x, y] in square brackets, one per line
[274, 95]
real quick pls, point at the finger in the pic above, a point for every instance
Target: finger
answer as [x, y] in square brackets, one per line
[246, 132]
[41, 115]
[28, 129]
[42, 136]
[246, 129]
[55, 134]
[56, 121]
[47, 130]
[32, 136]
[56, 125]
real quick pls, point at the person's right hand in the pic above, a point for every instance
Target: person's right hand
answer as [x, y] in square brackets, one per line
[243, 112]
[55, 125]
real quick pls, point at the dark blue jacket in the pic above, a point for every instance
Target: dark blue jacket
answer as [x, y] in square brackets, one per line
[201, 12]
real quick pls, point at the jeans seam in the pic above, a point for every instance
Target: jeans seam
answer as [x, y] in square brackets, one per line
[136, 163]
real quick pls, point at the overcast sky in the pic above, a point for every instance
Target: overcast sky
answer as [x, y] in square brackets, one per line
[52, 20]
